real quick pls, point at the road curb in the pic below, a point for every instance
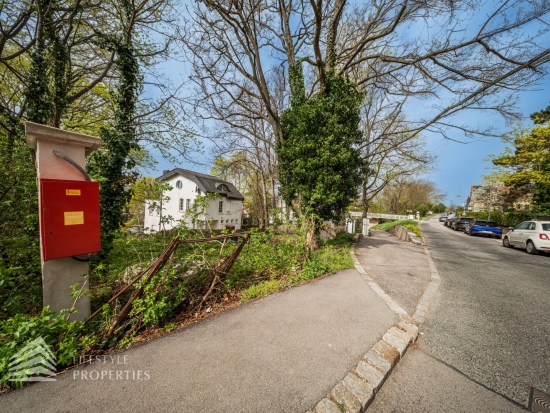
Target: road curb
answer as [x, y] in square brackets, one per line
[427, 298]
[355, 392]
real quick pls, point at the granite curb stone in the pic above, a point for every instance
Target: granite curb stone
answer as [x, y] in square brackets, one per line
[360, 389]
[327, 406]
[376, 360]
[395, 342]
[342, 395]
[357, 390]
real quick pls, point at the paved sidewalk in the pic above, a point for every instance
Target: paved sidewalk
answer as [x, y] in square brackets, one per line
[400, 268]
[282, 353]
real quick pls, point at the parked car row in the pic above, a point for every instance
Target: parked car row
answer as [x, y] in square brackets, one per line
[533, 236]
[473, 226]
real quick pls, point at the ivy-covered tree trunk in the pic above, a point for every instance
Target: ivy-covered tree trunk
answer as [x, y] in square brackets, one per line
[319, 163]
[37, 93]
[113, 160]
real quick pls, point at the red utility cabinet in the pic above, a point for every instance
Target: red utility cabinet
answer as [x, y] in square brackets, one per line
[69, 218]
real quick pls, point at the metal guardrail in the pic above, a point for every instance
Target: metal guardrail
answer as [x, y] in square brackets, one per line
[385, 216]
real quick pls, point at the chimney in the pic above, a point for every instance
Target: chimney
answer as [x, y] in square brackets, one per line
[165, 171]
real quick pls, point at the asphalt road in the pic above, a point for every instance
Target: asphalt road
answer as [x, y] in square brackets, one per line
[486, 340]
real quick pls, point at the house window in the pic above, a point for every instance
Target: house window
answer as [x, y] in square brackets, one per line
[236, 220]
[222, 221]
[188, 207]
[228, 206]
[222, 188]
[179, 184]
[181, 205]
[150, 208]
[220, 207]
[158, 212]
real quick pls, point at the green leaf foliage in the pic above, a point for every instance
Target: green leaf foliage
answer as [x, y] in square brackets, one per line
[62, 337]
[112, 162]
[526, 164]
[505, 219]
[319, 165]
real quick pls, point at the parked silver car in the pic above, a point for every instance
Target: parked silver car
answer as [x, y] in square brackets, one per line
[534, 236]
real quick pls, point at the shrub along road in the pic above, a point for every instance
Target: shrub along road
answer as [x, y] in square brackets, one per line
[486, 339]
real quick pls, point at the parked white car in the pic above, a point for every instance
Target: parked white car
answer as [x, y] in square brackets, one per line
[534, 236]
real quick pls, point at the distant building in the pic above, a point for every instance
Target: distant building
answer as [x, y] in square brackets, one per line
[225, 210]
[479, 198]
[478, 201]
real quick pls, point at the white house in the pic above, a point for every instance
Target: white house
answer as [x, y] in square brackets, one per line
[225, 210]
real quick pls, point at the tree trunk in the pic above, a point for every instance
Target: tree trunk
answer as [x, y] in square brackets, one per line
[365, 201]
[264, 200]
[311, 240]
[310, 228]
[273, 199]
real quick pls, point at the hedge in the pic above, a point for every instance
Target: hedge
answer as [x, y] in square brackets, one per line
[504, 219]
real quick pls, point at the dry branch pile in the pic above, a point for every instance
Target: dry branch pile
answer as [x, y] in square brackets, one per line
[161, 287]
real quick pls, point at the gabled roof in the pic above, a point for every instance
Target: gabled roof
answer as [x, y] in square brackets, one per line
[206, 183]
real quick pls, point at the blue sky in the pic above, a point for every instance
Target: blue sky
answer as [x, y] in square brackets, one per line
[458, 165]
[461, 165]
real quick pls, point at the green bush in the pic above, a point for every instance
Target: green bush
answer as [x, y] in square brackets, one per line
[20, 290]
[62, 337]
[504, 219]
[343, 238]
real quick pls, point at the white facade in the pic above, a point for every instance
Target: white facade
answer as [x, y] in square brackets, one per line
[219, 213]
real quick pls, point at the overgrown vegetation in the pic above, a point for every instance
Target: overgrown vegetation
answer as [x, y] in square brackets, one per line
[176, 295]
[113, 161]
[66, 339]
[410, 224]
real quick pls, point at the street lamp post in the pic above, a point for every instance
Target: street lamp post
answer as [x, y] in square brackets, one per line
[463, 206]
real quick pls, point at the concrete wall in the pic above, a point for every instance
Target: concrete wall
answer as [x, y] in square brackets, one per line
[188, 191]
[405, 235]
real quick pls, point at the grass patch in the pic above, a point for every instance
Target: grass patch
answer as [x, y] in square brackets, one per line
[410, 224]
[263, 289]
[326, 260]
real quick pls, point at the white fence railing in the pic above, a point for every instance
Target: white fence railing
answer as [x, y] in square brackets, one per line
[385, 216]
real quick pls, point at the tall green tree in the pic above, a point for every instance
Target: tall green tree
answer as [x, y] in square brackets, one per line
[119, 139]
[526, 163]
[319, 163]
